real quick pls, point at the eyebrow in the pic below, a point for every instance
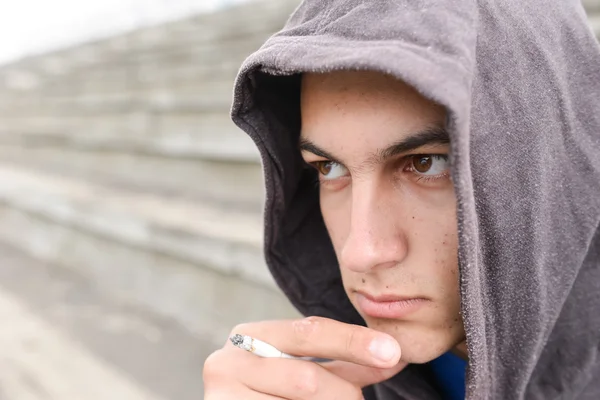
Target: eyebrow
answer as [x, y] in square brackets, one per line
[429, 136]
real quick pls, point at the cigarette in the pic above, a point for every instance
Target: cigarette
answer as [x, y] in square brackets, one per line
[262, 349]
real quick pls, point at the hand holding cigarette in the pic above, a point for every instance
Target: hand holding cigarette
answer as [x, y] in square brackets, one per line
[284, 359]
[262, 349]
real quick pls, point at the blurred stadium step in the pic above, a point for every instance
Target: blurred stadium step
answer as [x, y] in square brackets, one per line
[199, 264]
[592, 8]
[189, 160]
[595, 23]
[64, 340]
[118, 160]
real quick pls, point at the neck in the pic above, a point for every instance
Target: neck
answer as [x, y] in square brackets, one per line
[461, 350]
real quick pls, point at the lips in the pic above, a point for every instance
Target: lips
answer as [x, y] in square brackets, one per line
[388, 306]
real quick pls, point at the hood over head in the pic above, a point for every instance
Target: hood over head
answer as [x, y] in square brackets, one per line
[520, 80]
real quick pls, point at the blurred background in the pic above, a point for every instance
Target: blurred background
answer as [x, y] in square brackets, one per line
[130, 205]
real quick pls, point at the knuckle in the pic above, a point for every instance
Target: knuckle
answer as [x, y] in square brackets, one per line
[241, 328]
[353, 340]
[305, 329]
[214, 366]
[306, 380]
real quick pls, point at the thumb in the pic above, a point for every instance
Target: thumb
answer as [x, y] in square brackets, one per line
[361, 375]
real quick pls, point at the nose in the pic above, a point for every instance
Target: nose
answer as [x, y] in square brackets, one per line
[376, 238]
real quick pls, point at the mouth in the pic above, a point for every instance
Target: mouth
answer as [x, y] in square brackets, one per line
[388, 306]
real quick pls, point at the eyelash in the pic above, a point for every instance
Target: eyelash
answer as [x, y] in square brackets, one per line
[426, 178]
[405, 161]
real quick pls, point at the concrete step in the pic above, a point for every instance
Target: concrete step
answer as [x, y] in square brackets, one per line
[222, 183]
[233, 24]
[591, 6]
[595, 24]
[153, 100]
[179, 65]
[175, 66]
[73, 341]
[97, 95]
[143, 219]
[145, 247]
[204, 55]
[201, 136]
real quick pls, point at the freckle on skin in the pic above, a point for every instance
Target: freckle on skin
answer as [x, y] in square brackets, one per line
[363, 280]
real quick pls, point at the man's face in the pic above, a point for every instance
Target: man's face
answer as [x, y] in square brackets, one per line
[388, 203]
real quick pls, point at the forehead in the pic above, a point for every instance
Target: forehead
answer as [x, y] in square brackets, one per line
[359, 111]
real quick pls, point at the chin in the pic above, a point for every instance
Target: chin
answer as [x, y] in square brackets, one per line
[413, 355]
[419, 343]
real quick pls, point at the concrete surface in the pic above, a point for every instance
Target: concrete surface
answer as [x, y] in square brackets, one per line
[200, 265]
[64, 339]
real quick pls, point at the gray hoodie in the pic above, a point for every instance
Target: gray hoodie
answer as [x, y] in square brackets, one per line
[521, 82]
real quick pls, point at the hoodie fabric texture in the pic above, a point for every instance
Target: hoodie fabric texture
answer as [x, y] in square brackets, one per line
[520, 80]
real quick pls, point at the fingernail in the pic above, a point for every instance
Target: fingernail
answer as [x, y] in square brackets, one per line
[385, 349]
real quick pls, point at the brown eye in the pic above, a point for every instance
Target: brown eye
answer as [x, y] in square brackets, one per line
[429, 165]
[324, 167]
[422, 164]
[330, 170]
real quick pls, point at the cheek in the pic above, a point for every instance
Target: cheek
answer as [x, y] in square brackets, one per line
[433, 241]
[336, 215]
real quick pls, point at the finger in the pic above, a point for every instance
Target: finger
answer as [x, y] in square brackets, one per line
[226, 369]
[361, 375]
[221, 375]
[327, 338]
[295, 380]
[237, 392]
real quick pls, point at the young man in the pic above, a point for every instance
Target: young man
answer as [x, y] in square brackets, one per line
[433, 173]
